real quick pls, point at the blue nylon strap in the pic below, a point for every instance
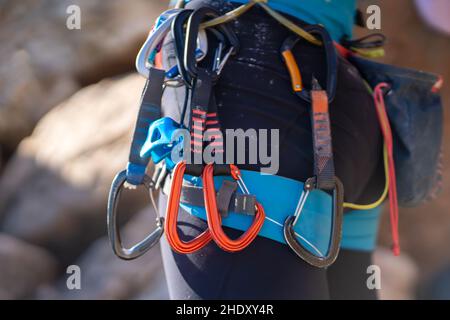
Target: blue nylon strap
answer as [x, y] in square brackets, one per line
[279, 196]
[149, 111]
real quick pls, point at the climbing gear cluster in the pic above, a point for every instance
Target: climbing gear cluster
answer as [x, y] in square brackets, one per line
[204, 43]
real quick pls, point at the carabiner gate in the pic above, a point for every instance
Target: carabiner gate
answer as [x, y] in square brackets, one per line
[113, 230]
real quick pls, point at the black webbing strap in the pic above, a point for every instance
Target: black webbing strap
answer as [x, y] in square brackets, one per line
[199, 108]
[149, 111]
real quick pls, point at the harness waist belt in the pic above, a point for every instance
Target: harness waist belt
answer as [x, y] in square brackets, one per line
[228, 200]
[279, 196]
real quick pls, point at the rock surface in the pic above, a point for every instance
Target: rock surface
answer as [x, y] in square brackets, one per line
[43, 62]
[104, 276]
[53, 192]
[23, 267]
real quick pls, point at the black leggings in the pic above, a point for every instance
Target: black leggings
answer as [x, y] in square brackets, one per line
[265, 270]
[254, 91]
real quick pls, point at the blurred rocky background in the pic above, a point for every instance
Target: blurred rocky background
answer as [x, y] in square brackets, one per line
[68, 101]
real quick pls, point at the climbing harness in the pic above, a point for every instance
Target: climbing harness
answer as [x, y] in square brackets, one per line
[216, 192]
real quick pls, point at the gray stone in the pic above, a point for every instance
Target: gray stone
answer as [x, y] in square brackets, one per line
[43, 62]
[23, 268]
[105, 276]
[54, 190]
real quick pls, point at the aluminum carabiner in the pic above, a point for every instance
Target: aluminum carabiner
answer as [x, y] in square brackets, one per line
[214, 217]
[173, 206]
[336, 230]
[294, 72]
[113, 230]
[156, 37]
[193, 29]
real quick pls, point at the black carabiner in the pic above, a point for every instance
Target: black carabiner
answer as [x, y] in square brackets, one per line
[336, 232]
[113, 231]
[178, 34]
[331, 57]
[195, 20]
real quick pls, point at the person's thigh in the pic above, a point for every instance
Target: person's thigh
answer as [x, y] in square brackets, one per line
[347, 277]
[265, 270]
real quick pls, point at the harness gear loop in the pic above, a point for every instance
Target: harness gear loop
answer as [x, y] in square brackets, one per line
[214, 217]
[173, 206]
[113, 231]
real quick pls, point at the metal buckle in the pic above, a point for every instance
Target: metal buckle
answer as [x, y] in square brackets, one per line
[113, 231]
[336, 230]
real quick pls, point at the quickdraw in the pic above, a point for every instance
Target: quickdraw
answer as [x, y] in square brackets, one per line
[135, 174]
[324, 172]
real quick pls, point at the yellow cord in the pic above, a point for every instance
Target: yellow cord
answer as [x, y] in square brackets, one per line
[369, 53]
[230, 15]
[236, 13]
[385, 192]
